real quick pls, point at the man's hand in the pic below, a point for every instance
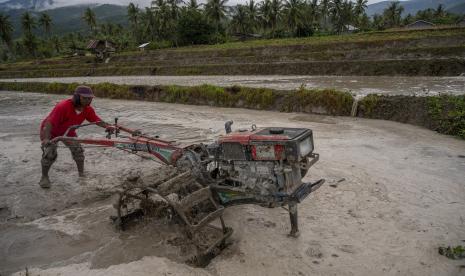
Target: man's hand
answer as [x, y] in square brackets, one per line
[46, 142]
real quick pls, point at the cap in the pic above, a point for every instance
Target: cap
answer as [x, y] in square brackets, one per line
[84, 91]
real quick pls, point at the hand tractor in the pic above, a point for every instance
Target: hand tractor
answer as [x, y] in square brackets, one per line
[262, 166]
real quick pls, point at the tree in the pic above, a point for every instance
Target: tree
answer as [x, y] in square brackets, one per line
[293, 11]
[133, 14]
[28, 23]
[194, 28]
[46, 22]
[216, 10]
[252, 14]
[324, 8]
[193, 5]
[149, 24]
[6, 29]
[240, 22]
[392, 14]
[360, 7]
[30, 43]
[89, 18]
[275, 14]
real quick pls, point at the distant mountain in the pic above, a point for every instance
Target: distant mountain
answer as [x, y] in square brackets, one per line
[39, 5]
[68, 19]
[413, 6]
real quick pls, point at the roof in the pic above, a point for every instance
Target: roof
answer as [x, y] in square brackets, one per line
[420, 22]
[143, 45]
[351, 28]
[95, 42]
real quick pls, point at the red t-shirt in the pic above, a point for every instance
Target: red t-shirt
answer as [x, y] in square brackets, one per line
[64, 115]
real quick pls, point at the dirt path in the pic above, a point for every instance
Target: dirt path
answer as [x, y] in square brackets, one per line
[394, 193]
[360, 85]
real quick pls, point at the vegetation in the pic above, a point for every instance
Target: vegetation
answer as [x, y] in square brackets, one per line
[169, 23]
[444, 113]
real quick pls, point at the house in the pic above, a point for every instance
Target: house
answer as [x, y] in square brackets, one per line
[420, 24]
[350, 29]
[101, 48]
[143, 46]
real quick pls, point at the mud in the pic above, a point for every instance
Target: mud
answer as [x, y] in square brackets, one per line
[359, 85]
[402, 196]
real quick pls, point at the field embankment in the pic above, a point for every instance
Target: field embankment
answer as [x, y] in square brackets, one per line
[444, 113]
[438, 52]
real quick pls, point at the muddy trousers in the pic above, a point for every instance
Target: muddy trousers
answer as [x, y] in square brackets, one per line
[49, 155]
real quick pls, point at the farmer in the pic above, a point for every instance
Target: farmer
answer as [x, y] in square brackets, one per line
[65, 114]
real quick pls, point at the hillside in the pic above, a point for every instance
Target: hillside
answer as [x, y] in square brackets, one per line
[413, 6]
[68, 19]
[438, 52]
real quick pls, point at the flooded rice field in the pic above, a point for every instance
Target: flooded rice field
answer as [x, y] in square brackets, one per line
[359, 85]
[393, 194]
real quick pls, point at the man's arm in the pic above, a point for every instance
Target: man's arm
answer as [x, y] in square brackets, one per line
[46, 133]
[103, 124]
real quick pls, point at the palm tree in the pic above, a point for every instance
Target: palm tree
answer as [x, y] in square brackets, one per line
[293, 11]
[149, 23]
[252, 14]
[275, 14]
[174, 7]
[392, 14]
[216, 11]
[265, 14]
[193, 5]
[439, 11]
[360, 7]
[163, 20]
[28, 23]
[56, 43]
[89, 18]
[359, 10]
[324, 8]
[46, 22]
[6, 29]
[133, 14]
[240, 22]
[336, 15]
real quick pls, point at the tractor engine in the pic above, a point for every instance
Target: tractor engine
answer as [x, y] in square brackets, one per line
[264, 162]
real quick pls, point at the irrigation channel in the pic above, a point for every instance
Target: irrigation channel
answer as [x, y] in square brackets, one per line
[393, 194]
[359, 85]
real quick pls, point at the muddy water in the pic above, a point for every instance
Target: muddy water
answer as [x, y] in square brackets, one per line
[388, 203]
[360, 85]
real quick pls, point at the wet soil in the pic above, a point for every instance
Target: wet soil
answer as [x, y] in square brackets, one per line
[394, 194]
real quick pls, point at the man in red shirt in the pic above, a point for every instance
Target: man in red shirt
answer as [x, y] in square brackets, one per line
[65, 114]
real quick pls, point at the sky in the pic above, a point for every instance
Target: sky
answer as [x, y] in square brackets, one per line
[125, 2]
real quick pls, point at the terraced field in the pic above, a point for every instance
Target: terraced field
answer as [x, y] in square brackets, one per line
[410, 53]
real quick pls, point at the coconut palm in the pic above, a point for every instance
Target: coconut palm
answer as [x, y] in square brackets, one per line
[324, 8]
[28, 23]
[149, 24]
[240, 21]
[163, 20]
[90, 18]
[193, 5]
[293, 11]
[6, 29]
[275, 14]
[392, 14]
[133, 14]
[216, 10]
[252, 14]
[46, 22]
[360, 7]
[265, 13]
